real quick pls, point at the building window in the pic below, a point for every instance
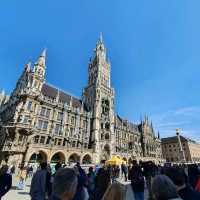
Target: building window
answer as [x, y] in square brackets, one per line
[48, 112]
[74, 144]
[29, 106]
[55, 141]
[42, 140]
[42, 111]
[58, 129]
[45, 112]
[85, 146]
[20, 138]
[72, 120]
[59, 142]
[107, 137]
[26, 119]
[60, 116]
[36, 139]
[42, 124]
[45, 125]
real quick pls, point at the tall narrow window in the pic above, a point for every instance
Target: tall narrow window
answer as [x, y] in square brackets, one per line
[29, 106]
[60, 116]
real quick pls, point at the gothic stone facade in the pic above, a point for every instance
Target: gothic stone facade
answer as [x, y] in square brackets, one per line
[41, 122]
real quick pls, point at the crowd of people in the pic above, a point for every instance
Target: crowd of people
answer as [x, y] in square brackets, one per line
[106, 182]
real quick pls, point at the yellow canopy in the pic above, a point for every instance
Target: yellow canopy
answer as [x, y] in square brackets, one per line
[114, 161]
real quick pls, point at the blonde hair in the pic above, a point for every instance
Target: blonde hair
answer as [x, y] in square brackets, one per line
[116, 191]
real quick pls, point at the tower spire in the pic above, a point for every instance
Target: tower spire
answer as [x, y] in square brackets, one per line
[42, 58]
[101, 37]
[158, 135]
[40, 65]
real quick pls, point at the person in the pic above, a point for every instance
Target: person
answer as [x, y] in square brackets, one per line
[163, 188]
[116, 191]
[22, 177]
[91, 180]
[57, 167]
[185, 191]
[102, 182]
[12, 169]
[137, 181]
[5, 181]
[64, 185]
[197, 186]
[40, 184]
[81, 192]
[124, 169]
[193, 174]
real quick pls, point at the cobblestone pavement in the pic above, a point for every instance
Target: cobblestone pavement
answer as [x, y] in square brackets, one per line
[15, 194]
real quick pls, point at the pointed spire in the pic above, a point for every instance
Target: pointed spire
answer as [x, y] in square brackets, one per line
[43, 54]
[158, 135]
[101, 37]
[28, 67]
[42, 58]
[151, 124]
[3, 92]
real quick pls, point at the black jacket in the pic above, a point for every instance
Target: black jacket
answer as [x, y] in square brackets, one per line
[188, 193]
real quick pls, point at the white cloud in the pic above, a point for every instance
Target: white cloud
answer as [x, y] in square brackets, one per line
[186, 119]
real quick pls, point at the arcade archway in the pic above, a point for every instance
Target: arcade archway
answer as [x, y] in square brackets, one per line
[73, 158]
[38, 157]
[87, 159]
[58, 157]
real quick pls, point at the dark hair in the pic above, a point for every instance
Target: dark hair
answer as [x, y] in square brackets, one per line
[163, 188]
[65, 180]
[58, 166]
[90, 169]
[43, 165]
[177, 175]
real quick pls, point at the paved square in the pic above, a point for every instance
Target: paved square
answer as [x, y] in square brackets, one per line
[16, 194]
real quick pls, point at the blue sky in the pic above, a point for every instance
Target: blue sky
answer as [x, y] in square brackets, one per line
[153, 46]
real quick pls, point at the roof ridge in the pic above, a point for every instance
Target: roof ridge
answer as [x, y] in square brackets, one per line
[61, 90]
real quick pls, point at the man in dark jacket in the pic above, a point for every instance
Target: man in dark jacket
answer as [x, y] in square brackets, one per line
[5, 181]
[102, 181]
[137, 181]
[185, 191]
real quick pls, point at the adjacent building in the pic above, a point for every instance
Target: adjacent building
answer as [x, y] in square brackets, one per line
[171, 148]
[40, 122]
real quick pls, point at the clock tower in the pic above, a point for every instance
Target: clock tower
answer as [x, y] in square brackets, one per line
[98, 97]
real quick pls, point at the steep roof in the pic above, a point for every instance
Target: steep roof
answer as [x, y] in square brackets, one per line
[53, 92]
[173, 139]
[122, 122]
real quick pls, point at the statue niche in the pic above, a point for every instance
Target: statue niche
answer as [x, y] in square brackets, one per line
[105, 107]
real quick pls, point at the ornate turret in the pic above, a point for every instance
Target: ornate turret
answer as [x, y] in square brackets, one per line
[38, 76]
[39, 66]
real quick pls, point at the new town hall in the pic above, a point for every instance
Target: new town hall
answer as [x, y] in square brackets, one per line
[39, 122]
